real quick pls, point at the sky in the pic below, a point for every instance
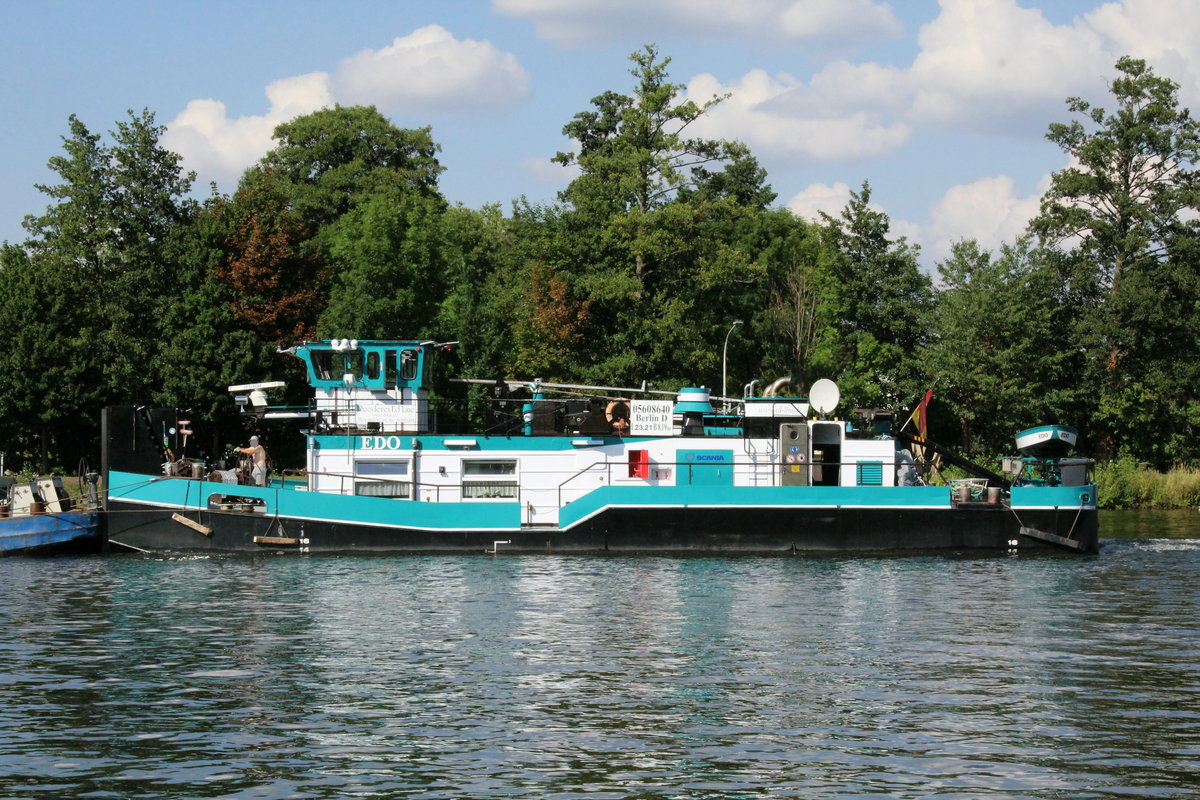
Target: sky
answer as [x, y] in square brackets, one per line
[941, 106]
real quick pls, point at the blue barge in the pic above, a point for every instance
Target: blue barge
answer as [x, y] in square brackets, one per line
[39, 518]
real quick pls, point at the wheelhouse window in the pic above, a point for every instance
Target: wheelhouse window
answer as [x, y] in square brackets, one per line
[382, 479]
[408, 365]
[331, 366]
[322, 361]
[389, 368]
[490, 479]
[354, 364]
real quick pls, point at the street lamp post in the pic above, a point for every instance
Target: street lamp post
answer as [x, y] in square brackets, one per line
[725, 365]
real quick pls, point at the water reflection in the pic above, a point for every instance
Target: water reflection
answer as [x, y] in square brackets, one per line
[544, 677]
[1150, 524]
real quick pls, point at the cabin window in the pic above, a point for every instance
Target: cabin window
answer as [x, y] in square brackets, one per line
[373, 365]
[389, 368]
[408, 365]
[354, 364]
[382, 479]
[489, 479]
[322, 362]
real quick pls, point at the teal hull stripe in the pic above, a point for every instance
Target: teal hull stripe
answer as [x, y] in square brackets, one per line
[1040, 497]
[715, 496]
[302, 505]
[492, 516]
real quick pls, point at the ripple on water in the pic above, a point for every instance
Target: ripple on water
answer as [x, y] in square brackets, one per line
[602, 677]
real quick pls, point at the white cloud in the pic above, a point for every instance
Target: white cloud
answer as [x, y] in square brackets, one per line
[994, 66]
[987, 67]
[984, 66]
[220, 148]
[989, 210]
[428, 72]
[820, 197]
[781, 117]
[1164, 32]
[985, 63]
[836, 24]
[431, 71]
[847, 19]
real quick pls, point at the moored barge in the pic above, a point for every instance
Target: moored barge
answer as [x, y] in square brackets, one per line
[602, 472]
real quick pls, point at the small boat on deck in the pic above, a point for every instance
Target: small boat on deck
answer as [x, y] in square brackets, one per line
[537, 467]
[1048, 441]
[39, 518]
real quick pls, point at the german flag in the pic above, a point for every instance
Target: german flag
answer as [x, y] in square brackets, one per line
[920, 415]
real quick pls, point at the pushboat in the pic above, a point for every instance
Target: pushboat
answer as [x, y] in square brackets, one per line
[539, 467]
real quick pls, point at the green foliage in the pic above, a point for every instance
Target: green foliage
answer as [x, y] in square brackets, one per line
[1001, 351]
[334, 157]
[633, 154]
[129, 291]
[1123, 211]
[309, 224]
[1128, 483]
[1133, 176]
[91, 283]
[878, 305]
[648, 238]
[388, 261]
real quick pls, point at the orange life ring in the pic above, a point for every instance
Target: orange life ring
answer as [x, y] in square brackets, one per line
[617, 414]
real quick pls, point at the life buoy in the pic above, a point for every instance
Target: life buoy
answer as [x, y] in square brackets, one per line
[617, 414]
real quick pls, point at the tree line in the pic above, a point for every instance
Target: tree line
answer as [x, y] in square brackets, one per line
[129, 290]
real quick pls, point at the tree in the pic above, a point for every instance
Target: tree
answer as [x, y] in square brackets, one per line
[1122, 214]
[105, 247]
[644, 237]
[742, 181]
[878, 306]
[277, 281]
[1147, 404]
[634, 157]
[207, 348]
[334, 157]
[1134, 177]
[794, 310]
[388, 255]
[481, 261]
[332, 171]
[1000, 348]
[47, 387]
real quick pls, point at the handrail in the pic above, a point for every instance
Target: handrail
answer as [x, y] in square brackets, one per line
[607, 468]
[436, 491]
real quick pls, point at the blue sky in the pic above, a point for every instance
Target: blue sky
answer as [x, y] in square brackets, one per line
[942, 106]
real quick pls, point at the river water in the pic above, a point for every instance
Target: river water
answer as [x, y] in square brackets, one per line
[618, 677]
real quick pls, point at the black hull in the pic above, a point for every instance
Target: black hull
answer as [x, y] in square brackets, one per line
[681, 531]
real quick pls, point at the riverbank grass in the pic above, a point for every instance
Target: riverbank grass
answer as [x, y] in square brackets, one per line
[1125, 483]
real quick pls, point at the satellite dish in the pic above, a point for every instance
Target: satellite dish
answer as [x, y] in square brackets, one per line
[824, 396]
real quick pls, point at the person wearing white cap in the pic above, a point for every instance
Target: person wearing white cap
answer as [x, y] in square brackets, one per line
[258, 458]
